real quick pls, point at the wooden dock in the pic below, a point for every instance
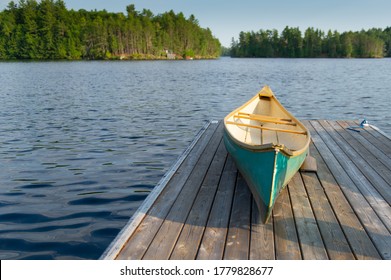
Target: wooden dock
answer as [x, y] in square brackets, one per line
[202, 208]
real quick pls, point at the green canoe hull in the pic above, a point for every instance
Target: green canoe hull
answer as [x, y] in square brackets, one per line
[266, 171]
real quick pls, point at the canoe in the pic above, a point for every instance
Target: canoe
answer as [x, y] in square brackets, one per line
[268, 145]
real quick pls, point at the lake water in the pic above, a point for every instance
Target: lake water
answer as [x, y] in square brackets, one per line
[83, 143]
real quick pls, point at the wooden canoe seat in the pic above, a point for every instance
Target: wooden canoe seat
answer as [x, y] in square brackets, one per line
[263, 118]
[267, 128]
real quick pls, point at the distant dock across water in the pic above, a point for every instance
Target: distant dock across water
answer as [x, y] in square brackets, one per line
[203, 209]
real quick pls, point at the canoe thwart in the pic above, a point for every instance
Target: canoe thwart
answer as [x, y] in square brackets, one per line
[264, 119]
[267, 128]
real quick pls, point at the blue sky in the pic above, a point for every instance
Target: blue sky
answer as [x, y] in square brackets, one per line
[227, 18]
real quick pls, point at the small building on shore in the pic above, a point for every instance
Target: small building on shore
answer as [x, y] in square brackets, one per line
[170, 54]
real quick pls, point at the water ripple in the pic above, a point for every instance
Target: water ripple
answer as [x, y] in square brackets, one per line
[81, 148]
[100, 201]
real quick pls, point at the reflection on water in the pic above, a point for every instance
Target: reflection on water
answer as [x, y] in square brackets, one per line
[83, 143]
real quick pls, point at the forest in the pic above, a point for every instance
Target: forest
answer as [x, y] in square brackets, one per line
[291, 43]
[48, 30]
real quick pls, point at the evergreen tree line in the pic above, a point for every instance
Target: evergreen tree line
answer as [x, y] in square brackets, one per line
[48, 30]
[291, 43]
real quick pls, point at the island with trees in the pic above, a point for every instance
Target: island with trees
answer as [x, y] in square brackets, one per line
[48, 30]
[314, 43]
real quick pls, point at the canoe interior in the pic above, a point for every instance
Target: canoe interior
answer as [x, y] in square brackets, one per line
[264, 111]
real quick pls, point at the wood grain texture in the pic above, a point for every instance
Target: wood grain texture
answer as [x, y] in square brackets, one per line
[341, 211]
[311, 242]
[238, 237]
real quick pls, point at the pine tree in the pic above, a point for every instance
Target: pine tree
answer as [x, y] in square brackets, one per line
[47, 30]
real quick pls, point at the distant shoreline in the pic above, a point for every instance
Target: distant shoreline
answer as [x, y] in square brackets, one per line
[107, 59]
[195, 59]
[47, 30]
[325, 58]
[313, 43]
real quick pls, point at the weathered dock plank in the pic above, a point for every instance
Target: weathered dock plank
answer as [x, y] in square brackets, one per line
[361, 164]
[204, 209]
[287, 242]
[213, 242]
[336, 161]
[145, 231]
[311, 242]
[262, 237]
[165, 239]
[238, 237]
[195, 224]
[335, 242]
[358, 239]
[377, 139]
[365, 139]
[372, 186]
[376, 159]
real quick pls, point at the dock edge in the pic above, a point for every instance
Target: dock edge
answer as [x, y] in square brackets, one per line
[380, 131]
[115, 246]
